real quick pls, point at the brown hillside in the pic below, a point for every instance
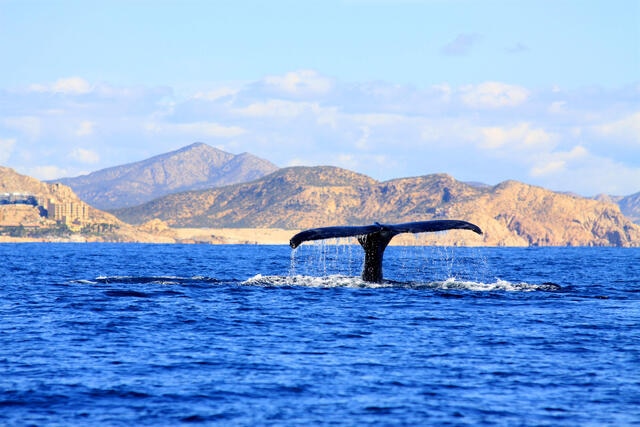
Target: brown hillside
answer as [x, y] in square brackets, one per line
[289, 198]
[514, 211]
[510, 213]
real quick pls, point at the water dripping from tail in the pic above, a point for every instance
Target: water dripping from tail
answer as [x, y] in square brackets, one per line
[322, 258]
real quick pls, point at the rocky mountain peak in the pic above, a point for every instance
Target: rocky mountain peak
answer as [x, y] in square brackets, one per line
[196, 166]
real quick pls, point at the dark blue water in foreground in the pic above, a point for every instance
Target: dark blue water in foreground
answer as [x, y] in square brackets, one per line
[127, 334]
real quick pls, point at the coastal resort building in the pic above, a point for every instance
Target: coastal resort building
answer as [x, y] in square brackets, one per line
[24, 209]
[67, 212]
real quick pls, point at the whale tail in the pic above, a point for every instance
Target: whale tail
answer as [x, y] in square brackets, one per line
[375, 238]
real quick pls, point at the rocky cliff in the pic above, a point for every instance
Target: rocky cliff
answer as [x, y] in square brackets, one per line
[511, 213]
[196, 166]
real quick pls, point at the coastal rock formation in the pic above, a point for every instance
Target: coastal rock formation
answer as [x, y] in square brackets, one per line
[197, 166]
[510, 213]
[539, 217]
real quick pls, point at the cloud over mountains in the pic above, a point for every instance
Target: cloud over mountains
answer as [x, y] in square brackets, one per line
[582, 140]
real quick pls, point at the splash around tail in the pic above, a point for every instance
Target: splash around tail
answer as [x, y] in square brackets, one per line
[375, 238]
[342, 281]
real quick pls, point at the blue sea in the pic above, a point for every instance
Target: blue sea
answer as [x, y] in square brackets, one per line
[246, 335]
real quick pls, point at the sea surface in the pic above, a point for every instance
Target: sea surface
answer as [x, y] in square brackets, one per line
[136, 334]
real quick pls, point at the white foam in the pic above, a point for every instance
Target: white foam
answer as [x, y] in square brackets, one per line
[337, 281]
[84, 282]
[498, 285]
[331, 281]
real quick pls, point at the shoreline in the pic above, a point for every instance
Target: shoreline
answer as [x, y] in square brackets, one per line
[246, 236]
[268, 236]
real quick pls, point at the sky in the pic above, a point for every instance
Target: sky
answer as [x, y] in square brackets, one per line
[546, 92]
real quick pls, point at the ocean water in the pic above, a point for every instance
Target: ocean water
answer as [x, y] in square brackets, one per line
[133, 334]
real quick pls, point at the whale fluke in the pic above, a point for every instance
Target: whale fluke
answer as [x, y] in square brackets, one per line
[375, 238]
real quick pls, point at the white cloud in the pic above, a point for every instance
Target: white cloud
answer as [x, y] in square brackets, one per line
[558, 107]
[68, 86]
[30, 126]
[493, 95]
[72, 86]
[580, 171]
[302, 82]
[444, 90]
[554, 163]
[277, 108]
[521, 136]
[385, 130]
[328, 116]
[362, 142]
[627, 128]
[86, 128]
[348, 161]
[357, 161]
[83, 155]
[577, 152]
[45, 173]
[6, 148]
[216, 94]
[290, 110]
[195, 130]
[380, 119]
[455, 131]
[548, 168]
[296, 161]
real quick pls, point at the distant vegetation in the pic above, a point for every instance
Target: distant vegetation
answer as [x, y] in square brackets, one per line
[58, 230]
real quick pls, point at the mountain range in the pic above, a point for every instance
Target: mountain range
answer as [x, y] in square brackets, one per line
[510, 213]
[196, 166]
[243, 191]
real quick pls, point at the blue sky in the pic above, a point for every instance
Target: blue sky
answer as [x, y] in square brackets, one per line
[544, 92]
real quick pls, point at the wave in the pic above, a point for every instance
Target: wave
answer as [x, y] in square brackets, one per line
[341, 281]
